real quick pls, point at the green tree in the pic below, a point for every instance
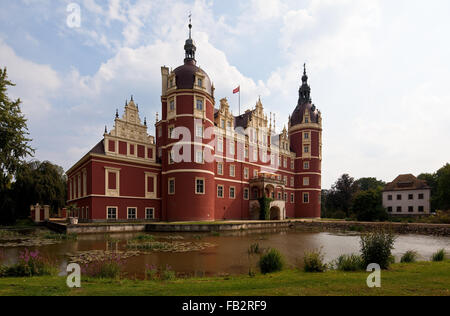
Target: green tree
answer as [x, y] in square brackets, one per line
[431, 180]
[14, 145]
[343, 191]
[443, 188]
[367, 206]
[365, 184]
[39, 182]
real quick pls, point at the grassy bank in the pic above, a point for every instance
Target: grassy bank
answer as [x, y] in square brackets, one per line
[423, 278]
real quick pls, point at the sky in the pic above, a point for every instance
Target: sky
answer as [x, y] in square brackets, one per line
[379, 71]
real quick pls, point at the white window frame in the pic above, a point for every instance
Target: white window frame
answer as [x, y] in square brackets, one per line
[246, 192]
[199, 159]
[220, 168]
[232, 171]
[152, 209]
[305, 194]
[116, 213]
[168, 186]
[246, 173]
[306, 181]
[128, 212]
[219, 186]
[232, 189]
[196, 186]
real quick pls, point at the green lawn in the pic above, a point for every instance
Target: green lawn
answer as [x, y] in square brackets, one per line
[424, 278]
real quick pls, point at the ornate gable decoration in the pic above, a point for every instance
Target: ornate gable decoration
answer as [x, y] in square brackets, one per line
[130, 127]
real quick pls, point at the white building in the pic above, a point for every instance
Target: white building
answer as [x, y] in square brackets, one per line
[407, 195]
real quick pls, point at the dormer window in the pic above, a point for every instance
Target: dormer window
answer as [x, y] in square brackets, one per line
[306, 120]
[200, 83]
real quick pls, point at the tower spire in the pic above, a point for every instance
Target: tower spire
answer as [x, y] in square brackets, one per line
[189, 46]
[305, 90]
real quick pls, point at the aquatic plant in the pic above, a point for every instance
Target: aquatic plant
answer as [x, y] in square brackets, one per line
[108, 269]
[168, 274]
[438, 256]
[30, 263]
[143, 237]
[151, 272]
[272, 261]
[409, 257]
[59, 237]
[313, 261]
[254, 249]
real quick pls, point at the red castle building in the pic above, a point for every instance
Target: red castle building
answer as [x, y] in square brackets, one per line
[204, 164]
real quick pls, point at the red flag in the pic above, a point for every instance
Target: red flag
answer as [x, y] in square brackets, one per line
[238, 89]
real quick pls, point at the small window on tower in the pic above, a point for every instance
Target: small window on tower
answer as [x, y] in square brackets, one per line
[199, 105]
[200, 82]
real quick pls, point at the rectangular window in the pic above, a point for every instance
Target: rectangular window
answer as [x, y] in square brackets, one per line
[292, 182]
[199, 157]
[112, 212]
[112, 146]
[222, 124]
[285, 180]
[199, 105]
[306, 165]
[292, 198]
[171, 129]
[399, 209]
[172, 105]
[421, 196]
[306, 149]
[255, 154]
[292, 164]
[232, 148]
[285, 197]
[220, 168]
[255, 173]
[246, 173]
[200, 82]
[200, 186]
[199, 131]
[132, 149]
[246, 194]
[390, 209]
[232, 171]
[220, 145]
[306, 181]
[285, 163]
[305, 198]
[112, 181]
[171, 186]
[306, 135]
[279, 195]
[421, 209]
[411, 209]
[150, 213]
[389, 197]
[399, 197]
[410, 196]
[220, 191]
[132, 213]
[232, 192]
[246, 153]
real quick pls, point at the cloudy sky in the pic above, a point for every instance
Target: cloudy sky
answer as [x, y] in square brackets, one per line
[379, 70]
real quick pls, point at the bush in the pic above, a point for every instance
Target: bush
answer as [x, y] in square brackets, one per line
[254, 249]
[349, 263]
[376, 247]
[438, 256]
[409, 257]
[151, 272]
[272, 261]
[30, 264]
[313, 262]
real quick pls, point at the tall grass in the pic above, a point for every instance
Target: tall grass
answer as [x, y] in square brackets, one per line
[409, 257]
[313, 261]
[351, 262]
[108, 269]
[438, 256]
[31, 263]
[272, 261]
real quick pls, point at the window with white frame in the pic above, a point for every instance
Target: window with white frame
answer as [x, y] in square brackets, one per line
[199, 186]
[306, 165]
[172, 105]
[220, 191]
[285, 180]
[220, 168]
[232, 192]
[292, 182]
[306, 181]
[306, 135]
[232, 171]
[246, 153]
[255, 173]
[292, 164]
[246, 173]
[255, 154]
[199, 105]
[285, 163]
[305, 198]
[292, 198]
[200, 82]
[132, 213]
[246, 193]
[199, 131]
[170, 157]
[232, 148]
[285, 197]
[222, 123]
[112, 212]
[150, 213]
[199, 156]
[220, 144]
[306, 149]
[170, 131]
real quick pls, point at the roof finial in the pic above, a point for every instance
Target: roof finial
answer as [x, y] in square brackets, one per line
[145, 121]
[132, 98]
[190, 24]
[304, 68]
[106, 130]
[117, 113]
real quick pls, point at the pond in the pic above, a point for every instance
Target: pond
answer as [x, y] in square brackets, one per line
[221, 255]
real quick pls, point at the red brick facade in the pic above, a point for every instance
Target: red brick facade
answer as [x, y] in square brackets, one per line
[227, 163]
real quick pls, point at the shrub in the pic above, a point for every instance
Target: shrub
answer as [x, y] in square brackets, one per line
[270, 262]
[438, 256]
[31, 263]
[313, 262]
[409, 257]
[349, 263]
[151, 272]
[376, 247]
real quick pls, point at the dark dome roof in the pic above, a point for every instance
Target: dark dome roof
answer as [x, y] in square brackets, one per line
[185, 76]
[297, 116]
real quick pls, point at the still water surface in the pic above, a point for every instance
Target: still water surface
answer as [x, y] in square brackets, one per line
[230, 254]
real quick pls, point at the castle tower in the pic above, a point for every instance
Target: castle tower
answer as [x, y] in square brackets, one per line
[184, 137]
[305, 132]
